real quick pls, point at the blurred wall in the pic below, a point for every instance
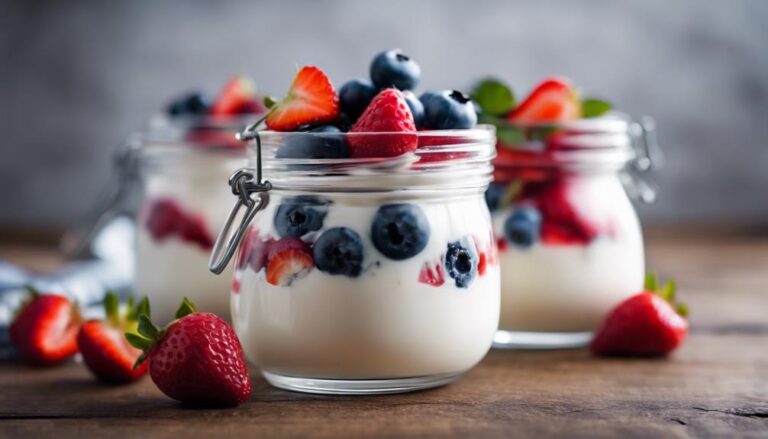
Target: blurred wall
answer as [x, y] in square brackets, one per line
[76, 77]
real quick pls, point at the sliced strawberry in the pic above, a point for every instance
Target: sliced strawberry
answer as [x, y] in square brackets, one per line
[195, 230]
[551, 101]
[289, 259]
[647, 324]
[166, 218]
[562, 223]
[44, 331]
[387, 114]
[255, 250]
[311, 100]
[482, 264]
[432, 274]
[237, 97]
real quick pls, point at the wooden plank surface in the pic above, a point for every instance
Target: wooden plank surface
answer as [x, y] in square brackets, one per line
[715, 386]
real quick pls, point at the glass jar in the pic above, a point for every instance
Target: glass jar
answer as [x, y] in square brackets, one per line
[182, 162]
[570, 243]
[363, 276]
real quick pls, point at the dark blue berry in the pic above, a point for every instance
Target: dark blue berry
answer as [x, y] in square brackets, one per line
[354, 97]
[339, 251]
[395, 69]
[298, 216]
[523, 226]
[331, 143]
[417, 108]
[461, 261]
[448, 110]
[493, 195]
[400, 231]
[190, 104]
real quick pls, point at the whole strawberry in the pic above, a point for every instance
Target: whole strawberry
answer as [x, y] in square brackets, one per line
[105, 350]
[45, 329]
[389, 115]
[648, 324]
[197, 359]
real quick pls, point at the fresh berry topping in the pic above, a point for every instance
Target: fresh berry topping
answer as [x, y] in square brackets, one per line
[44, 331]
[482, 264]
[432, 273]
[448, 110]
[105, 350]
[300, 215]
[400, 231]
[461, 261]
[416, 107]
[194, 103]
[494, 195]
[562, 223]
[395, 69]
[388, 114]
[166, 218]
[311, 100]
[551, 101]
[354, 97]
[289, 259]
[197, 359]
[339, 251]
[328, 143]
[254, 251]
[523, 226]
[237, 97]
[647, 324]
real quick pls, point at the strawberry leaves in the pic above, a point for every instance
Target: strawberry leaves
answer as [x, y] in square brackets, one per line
[147, 334]
[668, 291]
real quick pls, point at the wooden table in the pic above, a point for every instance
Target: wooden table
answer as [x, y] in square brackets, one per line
[716, 385]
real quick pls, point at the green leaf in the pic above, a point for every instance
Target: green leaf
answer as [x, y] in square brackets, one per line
[112, 306]
[140, 360]
[269, 102]
[592, 107]
[510, 135]
[651, 284]
[185, 308]
[138, 341]
[668, 290]
[682, 309]
[147, 328]
[143, 308]
[494, 97]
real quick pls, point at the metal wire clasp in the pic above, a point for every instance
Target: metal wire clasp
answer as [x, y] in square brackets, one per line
[649, 157]
[244, 184]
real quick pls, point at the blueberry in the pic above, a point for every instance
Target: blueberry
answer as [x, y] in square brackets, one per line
[394, 69]
[298, 216]
[331, 144]
[448, 110]
[339, 251]
[493, 195]
[461, 261]
[354, 97]
[417, 108]
[400, 231]
[523, 226]
[193, 103]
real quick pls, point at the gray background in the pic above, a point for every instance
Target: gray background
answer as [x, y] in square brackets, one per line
[76, 77]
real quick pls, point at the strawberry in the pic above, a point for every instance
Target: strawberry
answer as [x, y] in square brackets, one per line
[432, 274]
[311, 100]
[648, 324]
[551, 101]
[105, 350]
[388, 114]
[289, 259]
[166, 218]
[197, 359]
[255, 250]
[237, 97]
[45, 328]
[562, 223]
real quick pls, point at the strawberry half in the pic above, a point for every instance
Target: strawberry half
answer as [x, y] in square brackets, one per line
[105, 350]
[388, 114]
[432, 273]
[237, 97]
[648, 324]
[166, 218]
[311, 100]
[197, 359]
[289, 258]
[553, 100]
[45, 329]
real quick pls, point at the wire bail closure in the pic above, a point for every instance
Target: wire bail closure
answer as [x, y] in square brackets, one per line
[244, 184]
[649, 158]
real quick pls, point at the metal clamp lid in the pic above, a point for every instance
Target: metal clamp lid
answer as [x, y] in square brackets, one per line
[649, 157]
[243, 184]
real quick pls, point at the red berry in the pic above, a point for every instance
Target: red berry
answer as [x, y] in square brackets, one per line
[166, 218]
[237, 97]
[311, 100]
[45, 330]
[287, 265]
[390, 115]
[551, 101]
[432, 274]
[254, 251]
[562, 222]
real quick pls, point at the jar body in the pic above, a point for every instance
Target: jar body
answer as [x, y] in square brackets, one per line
[397, 318]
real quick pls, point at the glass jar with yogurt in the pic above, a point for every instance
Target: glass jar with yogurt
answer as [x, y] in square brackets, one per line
[364, 276]
[570, 243]
[182, 161]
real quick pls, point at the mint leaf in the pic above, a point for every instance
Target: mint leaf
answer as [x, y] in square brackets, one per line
[510, 135]
[592, 107]
[494, 97]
